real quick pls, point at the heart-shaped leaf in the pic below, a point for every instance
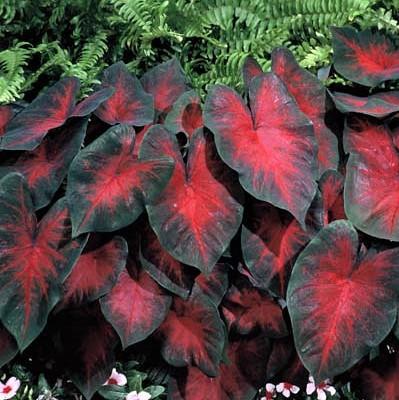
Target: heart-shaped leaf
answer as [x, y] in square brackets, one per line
[136, 306]
[97, 269]
[372, 179]
[35, 258]
[364, 57]
[197, 195]
[129, 104]
[46, 167]
[342, 302]
[166, 82]
[193, 335]
[273, 149]
[108, 186]
[48, 111]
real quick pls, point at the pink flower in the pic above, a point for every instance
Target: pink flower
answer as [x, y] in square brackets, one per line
[286, 389]
[116, 378]
[320, 389]
[138, 396]
[9, 389]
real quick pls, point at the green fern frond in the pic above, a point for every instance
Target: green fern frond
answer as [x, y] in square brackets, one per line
[10, 8]
[381, 19]
[12, 78]
[90, 62]
[304, 17]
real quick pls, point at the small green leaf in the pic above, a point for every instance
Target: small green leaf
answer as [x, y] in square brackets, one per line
[154, 391]
[113, 392]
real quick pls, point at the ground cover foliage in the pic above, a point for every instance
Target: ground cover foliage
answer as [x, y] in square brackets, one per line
[224, 244]
[44, 40]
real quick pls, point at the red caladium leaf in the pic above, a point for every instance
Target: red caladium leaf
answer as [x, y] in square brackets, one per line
[270, 241]
[108, 185]
[331, 186]
[273, 150]
[46, 167]
[364, 57]
[197, 195]
[129, 104]
[246, 309]
[372, 179]
[88, 346]
[91, 103]
[213, 285]
[341, 302]
[380, 381]
[251, 69]
[239, 379]
[310, 95]
[193, 335]
[377, 105]
[136, 305]
[6, 114]
[35, 258]
[48, 111]
[168, 272]
[8, 346]
[166, 82]
[186, 114]
[97, 269]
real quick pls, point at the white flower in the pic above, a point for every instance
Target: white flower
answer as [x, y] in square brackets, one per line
[138, 396]
[286, 389]
[270, 391]
[320, 389]
[10, 388]
[116, 378]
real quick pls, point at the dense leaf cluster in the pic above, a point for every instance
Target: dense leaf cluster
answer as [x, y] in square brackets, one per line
[243, 240]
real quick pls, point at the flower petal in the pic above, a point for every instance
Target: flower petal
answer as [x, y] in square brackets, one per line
[321, 395]
[310, 387]
[121, 379]
[144, 395]
[132, 396]
[294, 389]
[270, 387]
[331, 390]
[286, 393]
[280, 387]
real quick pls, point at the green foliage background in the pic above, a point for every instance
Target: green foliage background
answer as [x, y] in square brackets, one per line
[41, 40]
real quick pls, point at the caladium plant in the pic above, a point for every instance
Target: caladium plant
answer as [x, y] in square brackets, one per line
[242, 239]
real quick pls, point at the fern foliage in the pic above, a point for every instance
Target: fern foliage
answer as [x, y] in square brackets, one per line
[42, 40]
